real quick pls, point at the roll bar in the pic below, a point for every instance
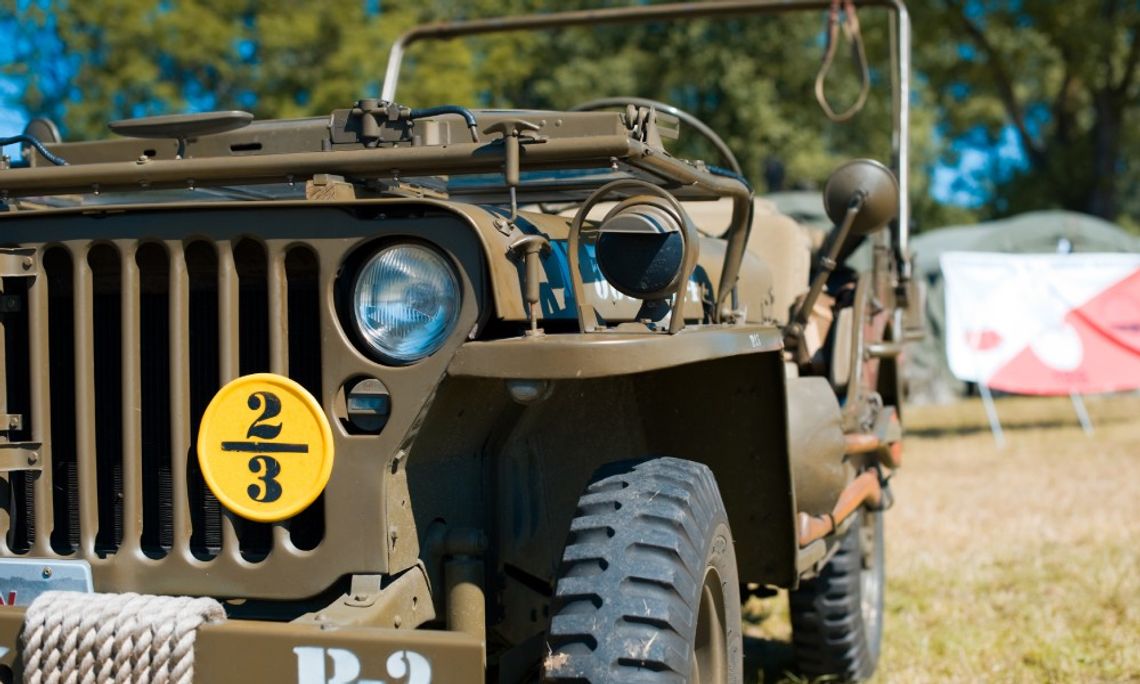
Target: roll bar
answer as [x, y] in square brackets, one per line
[715, 8]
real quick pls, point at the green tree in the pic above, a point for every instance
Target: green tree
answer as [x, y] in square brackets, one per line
[750, 79]
[142, 57]
[1062, 74]
[129, 57]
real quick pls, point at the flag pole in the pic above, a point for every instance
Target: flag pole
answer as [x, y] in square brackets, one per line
[991, 413]
[1082, 412]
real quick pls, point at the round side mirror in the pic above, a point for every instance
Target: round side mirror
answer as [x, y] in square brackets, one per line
[876, 184]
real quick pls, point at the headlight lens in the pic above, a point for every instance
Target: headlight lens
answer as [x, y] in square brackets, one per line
[406, 301]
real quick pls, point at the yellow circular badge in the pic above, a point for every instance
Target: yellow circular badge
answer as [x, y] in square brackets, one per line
[265, 447]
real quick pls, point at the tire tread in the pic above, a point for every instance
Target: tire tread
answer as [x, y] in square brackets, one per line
[829, 637]
[631, 621]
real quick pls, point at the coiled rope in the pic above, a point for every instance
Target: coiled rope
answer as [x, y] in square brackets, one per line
[75, 638]
[850, 27]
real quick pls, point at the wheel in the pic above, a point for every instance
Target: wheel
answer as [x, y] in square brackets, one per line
[837, 617]
[648, 589]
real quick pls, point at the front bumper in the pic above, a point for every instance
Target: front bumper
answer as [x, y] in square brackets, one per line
[251, 651]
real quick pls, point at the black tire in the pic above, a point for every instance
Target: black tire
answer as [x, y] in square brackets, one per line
[837, 617]
[648, 590]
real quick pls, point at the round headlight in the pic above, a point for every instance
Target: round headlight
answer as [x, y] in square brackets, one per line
[406, 302]
[641, 248]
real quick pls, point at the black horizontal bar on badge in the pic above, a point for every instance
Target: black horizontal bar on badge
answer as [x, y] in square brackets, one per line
[265, 447]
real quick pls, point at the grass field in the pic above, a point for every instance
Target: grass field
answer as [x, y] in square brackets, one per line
[1018, 565]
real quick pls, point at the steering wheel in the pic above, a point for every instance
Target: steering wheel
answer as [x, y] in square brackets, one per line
[700, 126]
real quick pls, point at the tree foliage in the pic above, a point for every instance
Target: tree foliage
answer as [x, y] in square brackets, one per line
[750, 80]
[141, 57]
[1063, 75]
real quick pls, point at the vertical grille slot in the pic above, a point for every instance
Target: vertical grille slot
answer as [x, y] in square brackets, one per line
[11, 511]
[154, 364]
[250, 259]
[253, 307]
[205, 379]
[22, 520]
[16, 358]
[302, 272]
[107, 341]
[61, 367]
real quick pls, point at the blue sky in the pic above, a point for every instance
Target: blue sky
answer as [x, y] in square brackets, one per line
[10, 118]
[980, 162]
[12, 121]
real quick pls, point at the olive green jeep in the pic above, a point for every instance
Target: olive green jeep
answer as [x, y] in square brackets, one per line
[440, 395]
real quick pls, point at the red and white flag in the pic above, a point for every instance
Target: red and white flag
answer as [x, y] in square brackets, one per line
[1044, 323]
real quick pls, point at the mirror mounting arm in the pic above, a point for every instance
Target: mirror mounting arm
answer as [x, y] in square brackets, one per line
[860, 197]
[793, 335]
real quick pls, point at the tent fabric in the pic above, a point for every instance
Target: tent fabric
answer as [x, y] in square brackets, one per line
[927, 371]
[1037, 232]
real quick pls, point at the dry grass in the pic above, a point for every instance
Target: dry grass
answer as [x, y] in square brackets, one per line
[1020, 565]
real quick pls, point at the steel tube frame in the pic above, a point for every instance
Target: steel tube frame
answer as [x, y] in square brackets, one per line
[716, 8]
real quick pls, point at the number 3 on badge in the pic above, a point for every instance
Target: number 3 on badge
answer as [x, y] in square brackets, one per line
[265, 447]
[269, 469]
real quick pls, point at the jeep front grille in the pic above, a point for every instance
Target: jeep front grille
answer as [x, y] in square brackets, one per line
[111, 354]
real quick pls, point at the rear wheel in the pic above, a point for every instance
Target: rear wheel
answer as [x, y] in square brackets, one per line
[837, 617]
[648, 590]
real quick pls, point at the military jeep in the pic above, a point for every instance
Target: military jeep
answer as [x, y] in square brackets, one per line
[439, 395]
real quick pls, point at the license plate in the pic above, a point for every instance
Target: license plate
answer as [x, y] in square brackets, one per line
[23, 579]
